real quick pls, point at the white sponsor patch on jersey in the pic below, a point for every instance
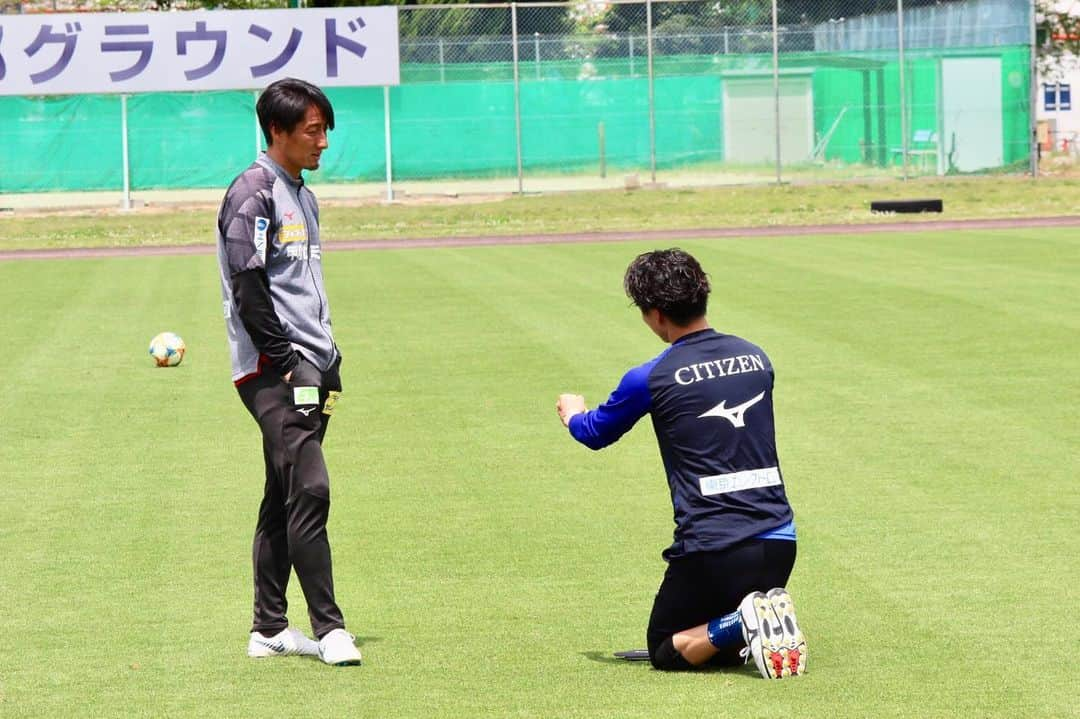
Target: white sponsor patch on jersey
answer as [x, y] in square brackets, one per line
[262, 225]
[738, 481]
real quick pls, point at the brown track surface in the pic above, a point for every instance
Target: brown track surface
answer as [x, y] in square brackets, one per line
[571, 237]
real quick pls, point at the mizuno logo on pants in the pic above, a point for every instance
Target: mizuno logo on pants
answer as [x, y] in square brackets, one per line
[733, 414]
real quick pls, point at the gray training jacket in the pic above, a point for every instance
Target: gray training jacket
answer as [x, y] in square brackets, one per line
[269, 220]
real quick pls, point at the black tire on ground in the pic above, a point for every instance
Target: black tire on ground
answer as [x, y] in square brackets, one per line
[907, 206]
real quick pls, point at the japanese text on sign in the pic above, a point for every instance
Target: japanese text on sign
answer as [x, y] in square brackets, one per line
[200, 50]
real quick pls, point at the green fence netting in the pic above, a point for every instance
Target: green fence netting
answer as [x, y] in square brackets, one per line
[460, 122]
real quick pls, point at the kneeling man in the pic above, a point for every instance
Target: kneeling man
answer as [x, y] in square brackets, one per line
[710, 396]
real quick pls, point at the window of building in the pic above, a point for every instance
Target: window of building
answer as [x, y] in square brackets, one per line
[1057, 96]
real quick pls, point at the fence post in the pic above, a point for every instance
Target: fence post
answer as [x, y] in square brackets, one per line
[442, 62]
[602, 142]
[631, 53]
[517, 97]
[903, 87]
[776, 84]
[536, 53]
[389, 145]
[652, 97]
[1033, 100]
[124, 151]
[258, 128]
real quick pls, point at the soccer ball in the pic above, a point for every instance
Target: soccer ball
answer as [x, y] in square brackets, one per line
[167, 349]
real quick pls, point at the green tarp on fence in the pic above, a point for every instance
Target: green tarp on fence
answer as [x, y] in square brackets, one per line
[464, 127]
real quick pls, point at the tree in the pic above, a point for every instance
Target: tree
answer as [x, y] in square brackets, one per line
[1057, 37]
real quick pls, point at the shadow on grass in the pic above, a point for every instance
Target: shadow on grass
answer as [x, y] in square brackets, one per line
[609, 658]
[645, 664]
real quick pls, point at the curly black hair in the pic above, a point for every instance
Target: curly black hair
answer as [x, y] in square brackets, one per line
[671, 281]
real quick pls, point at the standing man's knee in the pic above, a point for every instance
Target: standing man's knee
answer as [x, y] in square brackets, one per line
[308, 513]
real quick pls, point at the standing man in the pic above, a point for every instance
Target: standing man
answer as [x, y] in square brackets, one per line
[285, 365]
[710, 397]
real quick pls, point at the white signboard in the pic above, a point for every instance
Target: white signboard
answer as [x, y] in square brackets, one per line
[199, 50]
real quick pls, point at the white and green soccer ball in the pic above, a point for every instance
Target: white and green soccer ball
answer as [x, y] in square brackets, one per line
[167, 349]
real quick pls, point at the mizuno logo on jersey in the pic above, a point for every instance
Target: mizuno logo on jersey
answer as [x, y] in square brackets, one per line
[733, 414]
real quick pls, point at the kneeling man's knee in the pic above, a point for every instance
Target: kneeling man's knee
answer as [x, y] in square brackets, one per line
[667, 658]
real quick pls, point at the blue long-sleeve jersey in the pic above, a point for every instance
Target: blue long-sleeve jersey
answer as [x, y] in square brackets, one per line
[710, 397]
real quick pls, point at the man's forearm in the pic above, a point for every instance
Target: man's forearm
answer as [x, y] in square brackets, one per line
[255, 306]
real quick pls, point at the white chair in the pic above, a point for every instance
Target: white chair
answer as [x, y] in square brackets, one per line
[923, 148]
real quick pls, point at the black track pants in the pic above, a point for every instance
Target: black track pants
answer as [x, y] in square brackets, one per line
[291, 529]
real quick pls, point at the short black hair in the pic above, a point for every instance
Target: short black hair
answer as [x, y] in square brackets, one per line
[671, 281]
[284, 103]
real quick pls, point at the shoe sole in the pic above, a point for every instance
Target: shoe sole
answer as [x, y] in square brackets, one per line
[763, 634]
[793, 642]
[270, 654]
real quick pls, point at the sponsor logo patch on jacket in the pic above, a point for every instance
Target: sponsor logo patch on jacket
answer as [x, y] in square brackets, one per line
[261, 226]
[292, 233]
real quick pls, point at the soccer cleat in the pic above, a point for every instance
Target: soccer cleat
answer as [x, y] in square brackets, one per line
[794, 642]
[763, 634]
[338, 648]
[287, 642]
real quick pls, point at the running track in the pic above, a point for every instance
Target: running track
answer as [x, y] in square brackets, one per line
[572, 237]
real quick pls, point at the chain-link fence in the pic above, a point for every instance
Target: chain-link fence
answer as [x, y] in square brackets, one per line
[546, 96]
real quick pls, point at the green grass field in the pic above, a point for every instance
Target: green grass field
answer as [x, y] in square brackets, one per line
[926, 396]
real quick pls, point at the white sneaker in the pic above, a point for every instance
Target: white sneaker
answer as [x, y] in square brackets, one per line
[337, 648]
[287, 642]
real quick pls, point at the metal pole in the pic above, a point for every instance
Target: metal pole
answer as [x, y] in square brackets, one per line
[652, 98]
[631, 54]
[124, 151]
[389, 145]
[776, 84]
[904, 140]
[601, 141]
[517, 98]
[1033, 144]
[442, 62]
[258, 128]
[536, 52]
[1057, 117]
